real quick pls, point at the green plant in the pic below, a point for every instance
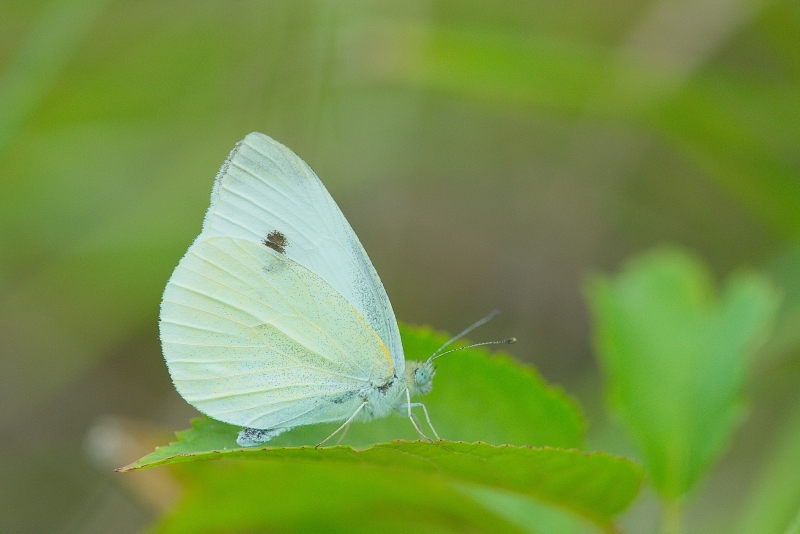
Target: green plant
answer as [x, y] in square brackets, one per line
[675, 356]
[474, 481]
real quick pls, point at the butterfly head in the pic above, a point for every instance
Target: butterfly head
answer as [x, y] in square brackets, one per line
[419, 377]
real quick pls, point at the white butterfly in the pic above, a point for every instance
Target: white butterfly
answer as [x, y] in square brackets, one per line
[275, 317]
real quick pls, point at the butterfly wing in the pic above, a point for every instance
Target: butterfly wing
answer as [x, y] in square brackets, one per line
[265, 193]
[255, 339]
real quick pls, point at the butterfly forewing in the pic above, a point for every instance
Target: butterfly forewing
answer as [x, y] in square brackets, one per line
[255, 339]
[266, 194]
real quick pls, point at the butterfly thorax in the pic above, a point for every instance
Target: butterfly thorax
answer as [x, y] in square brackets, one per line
[383, 399]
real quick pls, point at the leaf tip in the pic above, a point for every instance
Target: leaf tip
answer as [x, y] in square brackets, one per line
[127, 468]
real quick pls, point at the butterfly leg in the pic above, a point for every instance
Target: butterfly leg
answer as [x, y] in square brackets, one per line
[343, 434]
[345, 424]
[427, 417]
[411, 417]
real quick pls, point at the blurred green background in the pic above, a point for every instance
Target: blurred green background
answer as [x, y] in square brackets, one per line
[488, 153]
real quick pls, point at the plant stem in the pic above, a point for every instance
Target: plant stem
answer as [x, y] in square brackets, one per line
[672, 517]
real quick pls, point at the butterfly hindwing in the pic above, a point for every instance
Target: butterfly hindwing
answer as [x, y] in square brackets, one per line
[255, 339]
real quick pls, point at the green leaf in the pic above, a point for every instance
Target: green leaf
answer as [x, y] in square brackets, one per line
[478, 397]
[432, 486]
[475, 397]
[297, 497]
[675, 356]
[563, 475]
[302, 486]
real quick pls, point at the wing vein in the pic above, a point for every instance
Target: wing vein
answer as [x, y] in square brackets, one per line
[289, 303]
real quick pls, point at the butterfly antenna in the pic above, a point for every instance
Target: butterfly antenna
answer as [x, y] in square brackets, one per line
[466, 331]
[501, 342]
[469, 329]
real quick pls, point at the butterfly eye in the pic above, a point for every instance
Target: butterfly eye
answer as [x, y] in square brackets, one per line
[422, 376]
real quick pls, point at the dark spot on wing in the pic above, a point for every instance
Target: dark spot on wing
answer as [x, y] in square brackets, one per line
[276, 241]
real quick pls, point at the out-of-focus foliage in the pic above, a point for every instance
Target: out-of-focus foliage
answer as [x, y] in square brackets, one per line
[775, 494]
[744, 132]
[676, 356]
[795, 526]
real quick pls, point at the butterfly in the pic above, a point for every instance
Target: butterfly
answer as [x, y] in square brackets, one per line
[275, 317]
